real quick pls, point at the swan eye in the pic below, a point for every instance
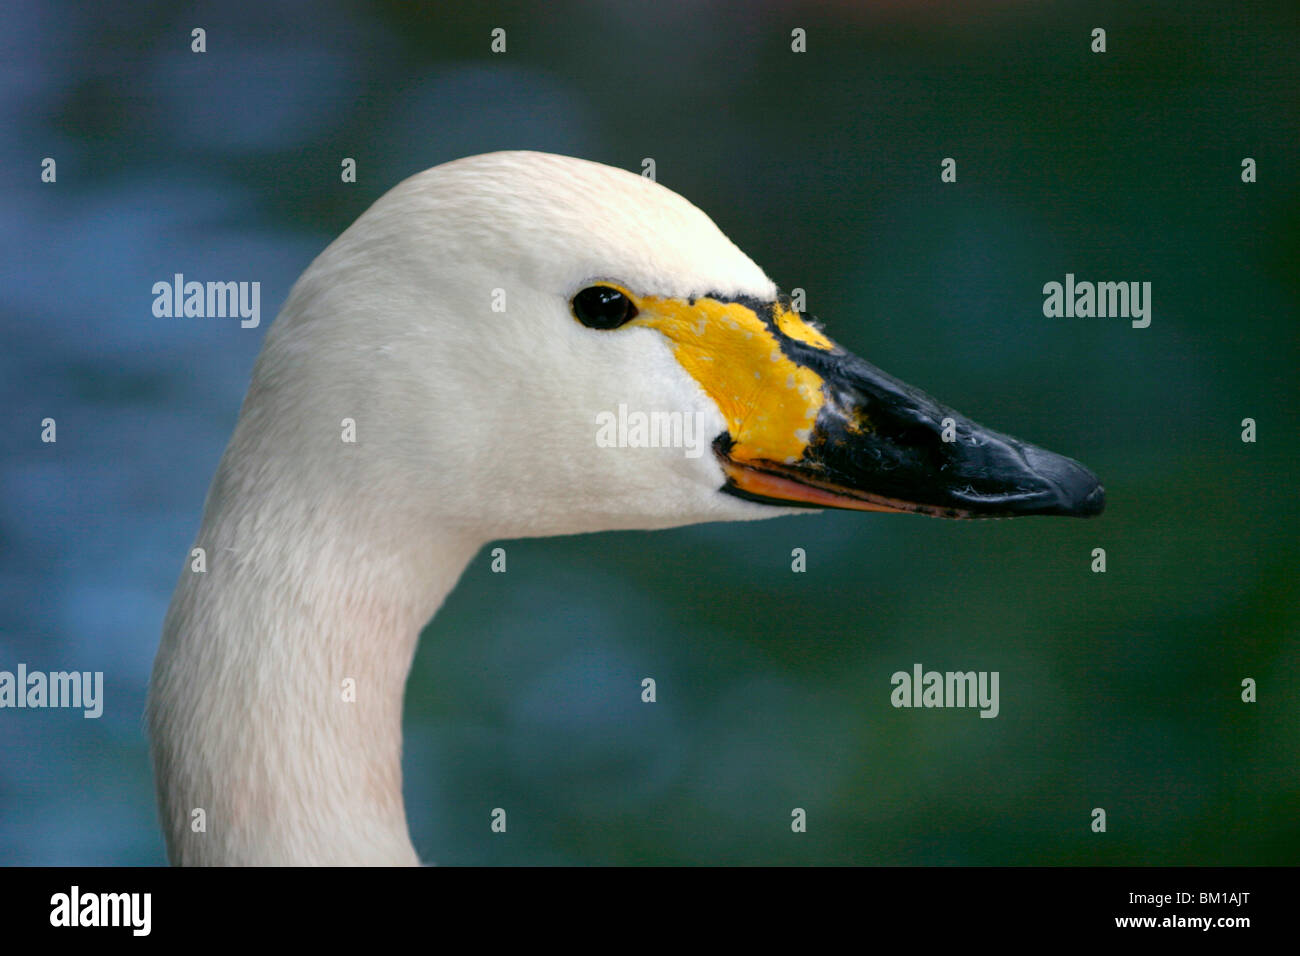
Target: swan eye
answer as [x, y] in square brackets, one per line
[602, 307]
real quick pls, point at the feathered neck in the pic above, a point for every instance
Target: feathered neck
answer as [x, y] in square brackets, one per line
[276, 702]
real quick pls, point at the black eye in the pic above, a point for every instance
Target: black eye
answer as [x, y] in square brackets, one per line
[600, 307]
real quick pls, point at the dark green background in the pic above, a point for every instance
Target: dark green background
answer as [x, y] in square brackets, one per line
[1118, 690]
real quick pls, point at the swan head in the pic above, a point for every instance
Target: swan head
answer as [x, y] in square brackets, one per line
[532, 344]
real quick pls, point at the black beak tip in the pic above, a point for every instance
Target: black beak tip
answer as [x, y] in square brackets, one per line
[1078, 491]
[1093, 503]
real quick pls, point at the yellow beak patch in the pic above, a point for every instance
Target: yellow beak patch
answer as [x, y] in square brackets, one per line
[770, 403]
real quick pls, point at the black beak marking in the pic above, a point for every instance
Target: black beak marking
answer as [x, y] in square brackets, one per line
[879, 440]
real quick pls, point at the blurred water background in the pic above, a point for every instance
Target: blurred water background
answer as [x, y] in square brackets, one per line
[1118, 690]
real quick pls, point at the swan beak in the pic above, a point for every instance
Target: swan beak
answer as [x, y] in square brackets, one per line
[878, 444]
[814, 426]
[880, 448]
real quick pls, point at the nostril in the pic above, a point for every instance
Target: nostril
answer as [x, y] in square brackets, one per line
[918, 436]
[904, 431]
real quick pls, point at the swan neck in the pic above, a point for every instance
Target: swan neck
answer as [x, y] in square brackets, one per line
[276, 703]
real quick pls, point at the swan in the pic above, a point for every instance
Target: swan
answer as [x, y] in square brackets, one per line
[469, 330]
